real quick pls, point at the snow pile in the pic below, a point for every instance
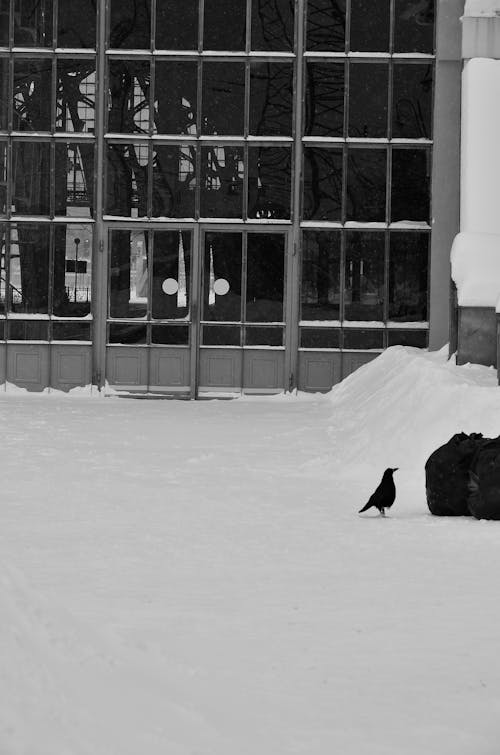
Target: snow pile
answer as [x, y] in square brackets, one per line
[475, 268]
[396, 410]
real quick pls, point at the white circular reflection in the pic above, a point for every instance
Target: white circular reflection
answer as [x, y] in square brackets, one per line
[170, 286]
[221, 286]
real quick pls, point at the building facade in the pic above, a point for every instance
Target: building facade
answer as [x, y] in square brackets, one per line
[216, 196]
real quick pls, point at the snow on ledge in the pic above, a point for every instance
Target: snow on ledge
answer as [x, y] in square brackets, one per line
[475, 268]
[476, 8]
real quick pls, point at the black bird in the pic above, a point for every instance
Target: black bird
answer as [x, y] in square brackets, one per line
[384, 496]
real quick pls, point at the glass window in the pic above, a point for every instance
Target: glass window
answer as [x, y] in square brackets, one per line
[130, 24]
[74, 179]
[368, 97]
[412, 101]
[4, 89]
[29, 268]
[369, 30]
[414, 26]
[415, 338]
[75, 98]
[71, 331]
[410, 196]
[128, 97]
[72, 274]
[224, 25]
[364, 276]
[176, 86]
[170, 335]
[177, 25]
[4, 23]
[127, 180]
[265, 277]
[76, 23]
[127, 332]
[263, 336]
[408, 276]
[269, 182]
[3, 178]
[31, 178]
[325, 84]
[320, 338]
[322, 184]
[363, 339]
[174, 181]
[223, 98]
[272, 24]
[366, 180]
[320, 283]
[221, 182]
[32, 100]
[271, 104]
[171, 274]
[129, 274]
[33, 23]
[222, 277]
[28, 330]
[221, 335]
[326, 25]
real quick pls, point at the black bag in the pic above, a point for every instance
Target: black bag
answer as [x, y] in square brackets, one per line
[484, 482]
[447, 475]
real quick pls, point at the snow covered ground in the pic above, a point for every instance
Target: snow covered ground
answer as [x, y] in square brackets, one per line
[193, 578]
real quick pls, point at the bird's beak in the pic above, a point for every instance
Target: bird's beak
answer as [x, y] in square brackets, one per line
[395, 469]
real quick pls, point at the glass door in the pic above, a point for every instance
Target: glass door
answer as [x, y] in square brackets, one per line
[242, 312]
[151, 331]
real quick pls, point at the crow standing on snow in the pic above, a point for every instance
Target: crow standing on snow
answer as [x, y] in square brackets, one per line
[384, 496]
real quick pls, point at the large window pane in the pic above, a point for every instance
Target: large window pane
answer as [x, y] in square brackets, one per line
[32, 94]
[223, 98]
[412, 101]
[326, 25]
[320, 283]
[4, 92]
[410, 196]
[75, 97]
[128, 102]
[72, 275]
[322, 184]
[76, 23]
[272, 24]
[408, 276]
[33, 23]
[221, 182]
[414, 26]
[4, 23]
[325, 99]
[74, 179]
[176, 86]
[364, 276]
[369, 29]
[269, 182]
[177, 25]
[174, 181]
[368, 97]
[265, 277]
[29, 268]
[271, 104]
[222, 277]
[128, 281]
[224, 25]
[366, 185]
[171, 274]
[127, 180]
[31, 178]
[130, 24]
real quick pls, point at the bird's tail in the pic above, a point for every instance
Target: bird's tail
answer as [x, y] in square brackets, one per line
[365, 507]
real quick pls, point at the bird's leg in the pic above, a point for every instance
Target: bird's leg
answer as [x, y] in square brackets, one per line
[382, 512]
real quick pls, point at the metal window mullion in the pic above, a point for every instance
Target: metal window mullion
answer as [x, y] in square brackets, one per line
[392, 25]
[50, 297]
[8, 293]
[244, 280]
[248, 30]
[201, 24]
[149, 236]
[385, 313]
[55, 19]
[152, 40]
[347, 41]
[343, 246]
[52, 179]
[198, 176]
[388, 184]
[149, 179]
[347, 77]
[345, 168]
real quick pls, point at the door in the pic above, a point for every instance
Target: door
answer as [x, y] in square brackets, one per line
[195, 311]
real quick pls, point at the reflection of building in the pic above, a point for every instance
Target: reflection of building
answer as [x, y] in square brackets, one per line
[244, 203]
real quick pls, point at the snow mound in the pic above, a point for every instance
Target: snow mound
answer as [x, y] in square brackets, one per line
[396, 410]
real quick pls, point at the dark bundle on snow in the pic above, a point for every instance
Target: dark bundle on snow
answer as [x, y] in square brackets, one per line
[484, 482]
[447, 475]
